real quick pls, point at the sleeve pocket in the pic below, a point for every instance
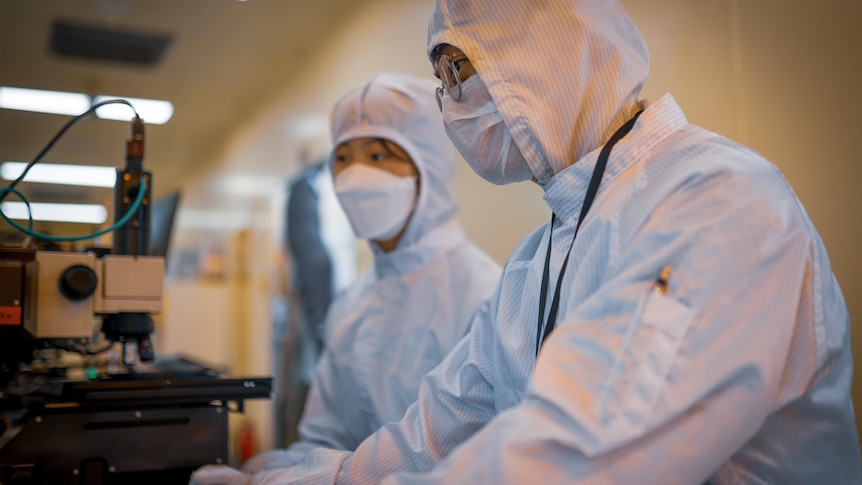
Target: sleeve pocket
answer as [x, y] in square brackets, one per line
[641, 368]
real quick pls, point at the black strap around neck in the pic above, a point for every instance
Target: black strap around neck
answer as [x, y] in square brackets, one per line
[592, 190]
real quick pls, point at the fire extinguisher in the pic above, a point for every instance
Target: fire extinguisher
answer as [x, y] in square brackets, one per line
[246, 442]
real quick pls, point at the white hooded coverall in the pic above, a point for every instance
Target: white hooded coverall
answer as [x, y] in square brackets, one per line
[400, 317]
[737, 371]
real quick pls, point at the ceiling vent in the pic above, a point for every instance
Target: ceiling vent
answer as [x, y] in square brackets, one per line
[87, 42]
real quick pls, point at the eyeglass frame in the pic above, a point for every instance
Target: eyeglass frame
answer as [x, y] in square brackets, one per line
[447, 66]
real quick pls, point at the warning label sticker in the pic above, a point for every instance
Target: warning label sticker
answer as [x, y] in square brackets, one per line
[10, 315]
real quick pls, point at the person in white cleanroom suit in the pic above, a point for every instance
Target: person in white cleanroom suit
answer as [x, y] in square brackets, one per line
[394, 171]
[699, 335]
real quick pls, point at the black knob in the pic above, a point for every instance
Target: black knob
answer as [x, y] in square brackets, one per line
[78, 282]
[145, 349]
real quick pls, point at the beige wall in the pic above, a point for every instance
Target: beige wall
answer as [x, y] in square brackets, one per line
[779, 76]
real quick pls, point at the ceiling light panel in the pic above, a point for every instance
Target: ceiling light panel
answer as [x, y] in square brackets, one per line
[50, 173]
[152, 111]
[80, 213]
[43, 101]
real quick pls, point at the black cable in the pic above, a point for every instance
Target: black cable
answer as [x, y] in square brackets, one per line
[59, 134]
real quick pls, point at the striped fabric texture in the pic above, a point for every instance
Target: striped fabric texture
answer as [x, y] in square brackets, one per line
[702, 336]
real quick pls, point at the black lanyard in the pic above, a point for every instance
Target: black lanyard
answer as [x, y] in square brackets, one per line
[592, 190]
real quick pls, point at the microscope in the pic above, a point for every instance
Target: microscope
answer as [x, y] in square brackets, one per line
[49, 297]
[111, 426]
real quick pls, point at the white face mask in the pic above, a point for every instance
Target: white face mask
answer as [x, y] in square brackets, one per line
[476, 128]
[376, 202]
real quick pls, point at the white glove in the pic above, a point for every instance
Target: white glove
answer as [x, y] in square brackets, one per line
[278, 458]
[219, 475]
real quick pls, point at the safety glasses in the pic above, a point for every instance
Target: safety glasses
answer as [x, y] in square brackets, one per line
[447, 69]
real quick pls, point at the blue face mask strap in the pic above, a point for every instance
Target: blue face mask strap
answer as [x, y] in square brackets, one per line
[592, 190]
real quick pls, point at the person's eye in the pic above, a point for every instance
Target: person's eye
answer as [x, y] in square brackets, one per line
[378, 156]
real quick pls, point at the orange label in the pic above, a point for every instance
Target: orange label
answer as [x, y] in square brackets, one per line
[10, 315]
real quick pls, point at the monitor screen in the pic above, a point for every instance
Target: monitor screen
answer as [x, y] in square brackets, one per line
[162, 215]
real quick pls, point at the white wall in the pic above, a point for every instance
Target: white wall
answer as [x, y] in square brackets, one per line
[779, 76]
